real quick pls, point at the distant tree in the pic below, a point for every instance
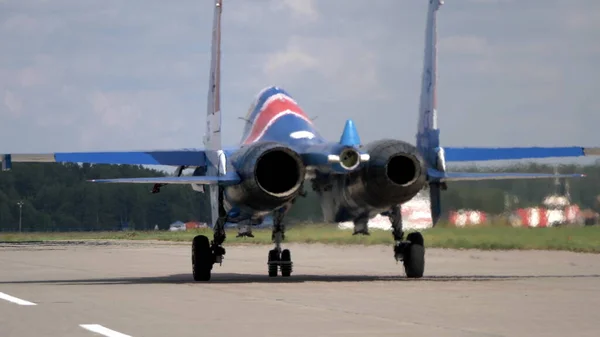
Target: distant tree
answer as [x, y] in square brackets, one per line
[57, 197]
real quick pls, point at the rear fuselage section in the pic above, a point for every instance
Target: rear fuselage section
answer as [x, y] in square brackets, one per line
[285, 139]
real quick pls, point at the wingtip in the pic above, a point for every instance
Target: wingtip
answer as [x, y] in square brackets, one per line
[591, 151]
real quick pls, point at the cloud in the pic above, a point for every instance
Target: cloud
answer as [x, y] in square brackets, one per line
[300, 8]
[490, 1]
[13, 103]
[293, 60]
[121, 75]
[583, 20]
[116, 110]
[466, 44]
[27, 24]
[326, 61]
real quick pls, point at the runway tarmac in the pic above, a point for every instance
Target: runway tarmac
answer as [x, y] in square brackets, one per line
[146, 289]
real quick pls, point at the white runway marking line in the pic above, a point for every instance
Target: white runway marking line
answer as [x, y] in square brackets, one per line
[13, 299]
[99, 329]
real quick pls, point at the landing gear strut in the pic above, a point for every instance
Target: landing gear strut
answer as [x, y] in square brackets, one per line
[278, 258]
[410, 251]
[156, 188]
[205, 254]
[361, 226]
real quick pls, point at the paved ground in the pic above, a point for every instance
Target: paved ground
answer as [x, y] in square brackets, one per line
[146, 290]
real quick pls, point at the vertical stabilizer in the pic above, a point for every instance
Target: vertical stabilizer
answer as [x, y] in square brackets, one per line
[428, 134]
[212, 138]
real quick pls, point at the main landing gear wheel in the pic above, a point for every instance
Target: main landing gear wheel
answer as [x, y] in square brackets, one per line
[410, 251]
[202, 258]
[413, 255]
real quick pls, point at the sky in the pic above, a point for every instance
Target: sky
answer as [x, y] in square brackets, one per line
[129, 75]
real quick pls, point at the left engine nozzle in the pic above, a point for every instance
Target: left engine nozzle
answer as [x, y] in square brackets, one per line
[271, 173]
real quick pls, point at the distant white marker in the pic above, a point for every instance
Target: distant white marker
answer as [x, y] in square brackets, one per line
[18, 301]
[99, 329]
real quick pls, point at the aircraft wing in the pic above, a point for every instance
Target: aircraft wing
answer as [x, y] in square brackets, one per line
[465, 176]
[458, 154]
[182, 157]
[228, 179]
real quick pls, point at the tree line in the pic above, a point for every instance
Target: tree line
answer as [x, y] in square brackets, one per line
[57, 197]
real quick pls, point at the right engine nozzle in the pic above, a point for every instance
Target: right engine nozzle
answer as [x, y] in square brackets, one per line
[395, 173]
[402, 169]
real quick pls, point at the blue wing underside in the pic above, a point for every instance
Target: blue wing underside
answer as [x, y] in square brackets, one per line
[198, 158]
[193, 157]
[476, 154]
[179, 158]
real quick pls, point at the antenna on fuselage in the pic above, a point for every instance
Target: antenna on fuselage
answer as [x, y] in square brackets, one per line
[245, 120]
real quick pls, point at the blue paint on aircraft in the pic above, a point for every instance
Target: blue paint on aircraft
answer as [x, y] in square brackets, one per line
[175, 158]
[350, 135]
[457, 154]
[294, 131]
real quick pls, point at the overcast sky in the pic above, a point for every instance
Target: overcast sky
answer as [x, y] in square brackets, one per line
[79, 75]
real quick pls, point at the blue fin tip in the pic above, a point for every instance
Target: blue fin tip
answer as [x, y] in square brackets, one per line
[350, 135]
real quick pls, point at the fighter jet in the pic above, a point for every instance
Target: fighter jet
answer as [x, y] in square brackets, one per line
[281, 151]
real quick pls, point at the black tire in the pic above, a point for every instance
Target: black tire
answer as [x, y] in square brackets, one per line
[273, 257]
[414, 256]
[202, 258]
[416, 238]
[286, 269]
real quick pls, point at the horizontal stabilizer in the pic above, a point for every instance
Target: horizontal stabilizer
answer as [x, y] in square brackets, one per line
[436, 175]
[457, 154]
[184, 157]
[229, 179]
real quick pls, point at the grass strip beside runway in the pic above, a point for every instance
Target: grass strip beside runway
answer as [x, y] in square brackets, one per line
[578, 239]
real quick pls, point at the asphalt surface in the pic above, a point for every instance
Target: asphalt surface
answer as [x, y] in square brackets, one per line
[145, 289]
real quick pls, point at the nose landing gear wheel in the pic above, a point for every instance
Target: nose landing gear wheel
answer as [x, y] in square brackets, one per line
[273, 262]
[279, 261]
[286, 263]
